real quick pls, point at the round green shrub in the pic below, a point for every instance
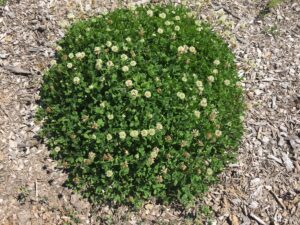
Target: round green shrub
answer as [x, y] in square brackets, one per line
[142, 103]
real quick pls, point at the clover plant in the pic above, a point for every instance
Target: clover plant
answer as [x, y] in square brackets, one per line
[142, 103]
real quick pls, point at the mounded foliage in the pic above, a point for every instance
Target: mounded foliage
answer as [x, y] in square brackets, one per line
[142, 103]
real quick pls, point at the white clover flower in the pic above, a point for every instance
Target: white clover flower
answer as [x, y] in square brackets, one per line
[213, 115]
[76, 80]
[177, 18]
[160, 31]
[203, 102]
[184, 79]
[92, 155]
[128, 83]
[150, 13]
[134, 93]
[217, 62]
[211, 79]
[99, 61]
[71, 55]
[124, 57]
[181, 49]
[195, 133]
[109, 173]
[108, 44]
[215, 71]
[80, 55]
[69, 65]
[156, 149]
[177, 28]
[198, 22]
[58, 48]
[190, 14]
[180, 95]
[192, 49]
[159, 126]
[197, 113]
[218, 133]
[167, 23]
[147, 94]
[128, 39]
[97, 50]
[199, 83]
[144, 133]
[151, 131]
[109, 137]
[134, 133]
[98, 66]
[209, 171]
[149, 115]
[125, 68]
[150, 161]
[57, 149]
[153, 154]
[227, 82]
[133, 63]
[162, 15]
[200, 89]
[110, 116]
[115, 48]
[122, 135]
[103, 104]
[110, 64]
[238, 84]
[142, 40]
[91, 86]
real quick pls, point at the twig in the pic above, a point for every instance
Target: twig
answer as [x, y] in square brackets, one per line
[277, 199]
[36, 190]
[257, 219]
[231, 13]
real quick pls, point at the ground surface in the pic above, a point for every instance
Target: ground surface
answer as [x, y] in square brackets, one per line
[262, 188]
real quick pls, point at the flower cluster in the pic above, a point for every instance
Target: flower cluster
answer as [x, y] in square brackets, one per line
[142, 114]
[185, 49]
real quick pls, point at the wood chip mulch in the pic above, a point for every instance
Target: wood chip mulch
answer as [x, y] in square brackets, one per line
[263, 187]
